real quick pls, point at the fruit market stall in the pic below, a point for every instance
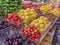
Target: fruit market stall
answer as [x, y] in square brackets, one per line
[27, 23]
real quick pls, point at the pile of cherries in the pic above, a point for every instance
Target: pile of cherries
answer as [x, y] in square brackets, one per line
[18, 39]
[14, 18]
[32, 32]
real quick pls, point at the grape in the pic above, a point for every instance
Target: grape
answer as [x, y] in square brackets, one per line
[5, 28]
[4, 24]
[18, 40]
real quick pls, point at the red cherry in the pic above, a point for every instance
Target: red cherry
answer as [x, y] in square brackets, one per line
[33, 35]
[30, 37]
[33, 38]
[9, 17]
[31, 30]
[28, 31]
[37, 36]
[28, 34]
[24, 31]
[14, 18]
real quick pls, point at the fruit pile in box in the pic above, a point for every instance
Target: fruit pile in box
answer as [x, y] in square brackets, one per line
[29, 25]
[15, 20]
[27, 15]
[37, 28]
[9, 6]
[42, 23]
[32, 32]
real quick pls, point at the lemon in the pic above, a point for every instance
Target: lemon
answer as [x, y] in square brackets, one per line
[41, 30]
[42, 25]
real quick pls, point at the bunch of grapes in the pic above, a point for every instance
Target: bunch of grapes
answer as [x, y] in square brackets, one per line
[18, 39]
[4, 28]
[4, 24]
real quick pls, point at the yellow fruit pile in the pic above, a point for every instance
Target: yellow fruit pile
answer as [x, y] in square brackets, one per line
[42, 23]
[27, 15]
[55, 11]
[46, 8]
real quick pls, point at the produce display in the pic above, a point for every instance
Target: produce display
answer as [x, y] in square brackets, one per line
[1, 14]
[46, 8]
[4, 33]
[15, 5]
[39, 1]
[4, 24]
[32, 32]
[55, 11]
[38, 12]
[50, 8]
[27, 15]
[42, 23]
[50, 11]
[5, 28]
[10, 6]
[18, 39]
[29, 4]
[14, 19]
[32, 23]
